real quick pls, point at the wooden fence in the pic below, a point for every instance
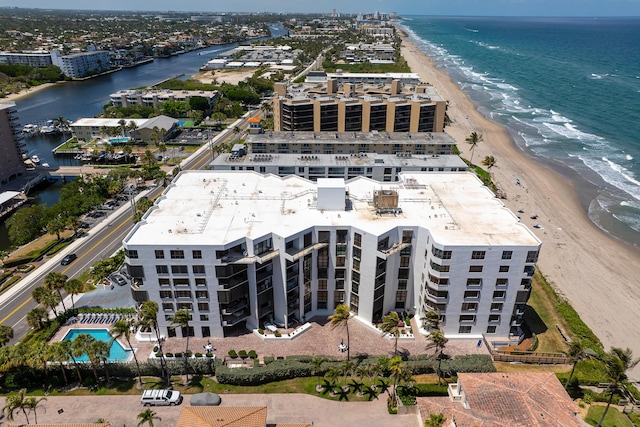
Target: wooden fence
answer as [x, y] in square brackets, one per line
[530, 357]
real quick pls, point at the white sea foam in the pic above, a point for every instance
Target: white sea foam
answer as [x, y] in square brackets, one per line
[629, 157]
[614, 174]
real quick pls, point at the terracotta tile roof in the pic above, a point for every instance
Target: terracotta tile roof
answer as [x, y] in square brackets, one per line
[66, 425]
[223, 416]
[514, 399]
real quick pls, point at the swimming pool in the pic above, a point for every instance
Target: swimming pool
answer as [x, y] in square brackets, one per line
[122, 140]
[117, 353]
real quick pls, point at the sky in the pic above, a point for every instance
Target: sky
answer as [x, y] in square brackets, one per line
[402, 7]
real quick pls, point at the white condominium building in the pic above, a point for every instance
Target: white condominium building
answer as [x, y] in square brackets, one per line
[238, 248]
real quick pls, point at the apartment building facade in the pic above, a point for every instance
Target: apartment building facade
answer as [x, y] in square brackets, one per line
[238, 249]
[84, 64]
[30, 59]
[348, 143]
[153, 98]
[355, 107]
[11, 143]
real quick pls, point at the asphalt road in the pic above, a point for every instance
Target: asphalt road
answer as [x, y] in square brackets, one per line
[102, 242]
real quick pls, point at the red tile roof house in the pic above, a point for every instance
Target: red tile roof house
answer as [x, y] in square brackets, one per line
[500, 399]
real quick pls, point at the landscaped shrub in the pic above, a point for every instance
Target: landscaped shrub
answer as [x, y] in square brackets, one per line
[253, 354]
[428, 390]
[158, 354]
[261, 331]
[242, 354]
[198, 354]
[278, 334]
[169, 355]
[300, 358]
[268, 359]
[274, 371]
[232, 354]
[178, 355]
[155, 348]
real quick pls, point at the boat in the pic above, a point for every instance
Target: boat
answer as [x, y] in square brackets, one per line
[30, 129]
[35, 159]
[45, 165]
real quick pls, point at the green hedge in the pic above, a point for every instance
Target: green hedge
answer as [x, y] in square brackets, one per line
[277, 370]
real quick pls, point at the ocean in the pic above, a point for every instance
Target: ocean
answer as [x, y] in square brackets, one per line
[568, 91]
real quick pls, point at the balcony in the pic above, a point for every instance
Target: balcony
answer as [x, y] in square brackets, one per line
[264, 257]
[235, 308]
[237, 258]
[529, 270]
[293, 254]
[384, 253]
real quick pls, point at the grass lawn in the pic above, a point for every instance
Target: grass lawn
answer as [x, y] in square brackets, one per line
[542, 317]
[527, 367]
[36, 246]
[614, 417]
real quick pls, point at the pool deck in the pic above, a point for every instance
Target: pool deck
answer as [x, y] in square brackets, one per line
[319, 339]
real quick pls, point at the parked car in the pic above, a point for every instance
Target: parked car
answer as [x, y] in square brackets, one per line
[118, 279]
[68, 259]
[160, 398]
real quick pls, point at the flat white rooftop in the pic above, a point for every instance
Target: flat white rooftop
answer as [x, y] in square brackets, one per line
[216, 207]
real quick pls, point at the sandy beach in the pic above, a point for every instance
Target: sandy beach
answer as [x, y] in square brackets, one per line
[594, 271]
[25, 92]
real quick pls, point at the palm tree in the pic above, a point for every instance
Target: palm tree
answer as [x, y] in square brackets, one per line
[435, 420]
[32, 403]
[437, 342]
[147, 416]
[181, 318]
[316, 367]
[132, 128]
[48, 298]
[149, 319]
[617, 363]
[122, 328]
[100, 351]
[82, 346]
[38, 353]
[162, 148]
[473, 139]
[236, 131]
[397, 368]
[6, 334]
[340, 318]
[332, 375]
[37, 318]
[575, 353]
[431, 320]
[16, 403]
[123, 125]
[148, 158]
[72, 352]
[55, 281]
[489, 161]
[73, 287]
[59, 354]
[390, 327]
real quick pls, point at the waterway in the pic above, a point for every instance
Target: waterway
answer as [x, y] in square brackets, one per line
[74, 100]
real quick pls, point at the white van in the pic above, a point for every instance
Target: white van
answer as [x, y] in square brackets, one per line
[160, 398]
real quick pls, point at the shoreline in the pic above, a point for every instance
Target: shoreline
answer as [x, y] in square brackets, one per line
[26, 92]
[594, 270]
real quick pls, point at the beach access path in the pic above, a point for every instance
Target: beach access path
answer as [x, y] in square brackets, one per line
[597, 273]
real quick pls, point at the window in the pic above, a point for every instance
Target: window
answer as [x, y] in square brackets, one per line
[131, 253]
[474, 282]
[477, 254]
[202, 294]
[162, 269]
[201, 282]
[463, 329]
[198, 269]
[166, 294]
[471, 294]
[499, 294]
[494, 318]
[184, 306]
[507, 254]
[504, 269]
[167, 306]
[203, 306]
[262, 247]
[475, 269]
[491, 329]
[532, 256]
[439, 253]
[357, 240]
[496, 306]
[502, 282]
[204, 317]
[407, 236]
[440, 268]
[183, 294]
[177, 254]
[469, 306]
[180, 282]
[179, 269]
[159, 254]
[164, 282]
[197, 254]
[467, 318]
[206, 331]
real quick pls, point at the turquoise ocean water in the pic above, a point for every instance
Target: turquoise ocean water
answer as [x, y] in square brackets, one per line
[568, 91]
